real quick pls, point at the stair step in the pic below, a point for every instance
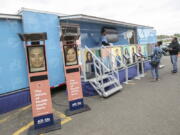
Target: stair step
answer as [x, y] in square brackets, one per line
[109, 83]
[112, 91]
[99, 78]
[96, 88]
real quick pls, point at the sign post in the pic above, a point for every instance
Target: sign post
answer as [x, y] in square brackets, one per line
[39, 84]
[70, 35]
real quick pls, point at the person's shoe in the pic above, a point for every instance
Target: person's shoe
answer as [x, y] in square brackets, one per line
[174, 71]
[153, 80]
[157, 79]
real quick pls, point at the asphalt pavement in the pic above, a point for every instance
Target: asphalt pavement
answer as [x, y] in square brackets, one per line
[143, 107]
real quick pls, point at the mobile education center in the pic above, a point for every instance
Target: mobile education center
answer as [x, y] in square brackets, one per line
[14, 87]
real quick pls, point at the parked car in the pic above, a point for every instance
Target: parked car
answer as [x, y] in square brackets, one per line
[164, 47]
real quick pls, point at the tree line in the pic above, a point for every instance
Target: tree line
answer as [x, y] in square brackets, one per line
[168, 36]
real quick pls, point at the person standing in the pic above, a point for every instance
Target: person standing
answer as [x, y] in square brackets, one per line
[155, 61]
[104, 40]
[173, 51]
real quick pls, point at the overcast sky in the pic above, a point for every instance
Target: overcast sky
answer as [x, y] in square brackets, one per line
[163, 15]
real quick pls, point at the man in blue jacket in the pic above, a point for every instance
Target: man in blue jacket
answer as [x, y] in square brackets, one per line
[155, 60]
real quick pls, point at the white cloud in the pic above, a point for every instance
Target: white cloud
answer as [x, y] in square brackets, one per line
[161, 14]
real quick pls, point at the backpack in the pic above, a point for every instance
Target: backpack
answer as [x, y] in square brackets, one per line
[155, 60]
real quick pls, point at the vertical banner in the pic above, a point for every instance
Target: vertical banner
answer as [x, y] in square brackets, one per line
[71, 41]
[75, 96]
[133, 51]
[116, 51]
[39, 86]
[89, 67]
[140, 50]
[141, 56]
[73, 78]
[126, 55]
[106, 56]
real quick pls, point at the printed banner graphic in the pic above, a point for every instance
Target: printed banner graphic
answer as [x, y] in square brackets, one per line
[74, 85]
[41, 98]
[117, 59]
[133, 51]
[126, 55]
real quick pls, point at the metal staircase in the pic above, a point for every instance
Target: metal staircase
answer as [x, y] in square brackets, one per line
[106, 81]
[122, 65]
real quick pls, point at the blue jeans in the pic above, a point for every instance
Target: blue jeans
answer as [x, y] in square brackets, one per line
[155, 72]
[174, 62]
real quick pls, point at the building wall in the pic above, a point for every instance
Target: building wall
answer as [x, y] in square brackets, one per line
[34, 22]
[13, 73]
[13, 70]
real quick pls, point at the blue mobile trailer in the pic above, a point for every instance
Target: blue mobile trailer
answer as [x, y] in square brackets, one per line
[14, 89]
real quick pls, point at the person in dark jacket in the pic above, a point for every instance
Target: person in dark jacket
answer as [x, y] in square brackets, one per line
[173, 51]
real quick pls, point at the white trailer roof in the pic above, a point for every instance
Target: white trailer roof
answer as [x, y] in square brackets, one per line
[10, 16]
[78, 17]
[87, 18]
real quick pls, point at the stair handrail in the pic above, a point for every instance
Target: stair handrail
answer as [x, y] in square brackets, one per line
[101, 72]
[123, 65]
[121, 62]
[93, 55]
[115, 71]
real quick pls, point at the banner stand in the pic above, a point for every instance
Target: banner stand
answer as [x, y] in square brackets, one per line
[138, 74]
[44, 122]
[69, 38]
[142, 68]
[55, 126]
[85, 108]
[126, 76]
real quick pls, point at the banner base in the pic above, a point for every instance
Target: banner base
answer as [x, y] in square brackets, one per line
[137, 78]
[55, 126]
[70, 113]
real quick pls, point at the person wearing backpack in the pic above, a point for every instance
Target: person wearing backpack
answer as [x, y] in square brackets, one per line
[155, 60]
[173, 51]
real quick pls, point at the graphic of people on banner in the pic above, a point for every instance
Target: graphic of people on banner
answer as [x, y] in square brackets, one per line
[117, 60]
[126, 55]
[70, 53]
[140, 51]
[133, 52]
[89, 67]
[106, 57]
[36, 58]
